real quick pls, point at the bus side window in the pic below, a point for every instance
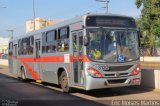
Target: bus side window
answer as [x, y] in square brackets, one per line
[19, 47]
[63, 41]
[49, 42]
[25, 46]
[30, 45]
[44, 39]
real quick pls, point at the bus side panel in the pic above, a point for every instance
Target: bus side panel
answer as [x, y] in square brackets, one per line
[19, 68]
[10, 62]
[28, 75]
[48, 73]
[20, 65]
[15, 65]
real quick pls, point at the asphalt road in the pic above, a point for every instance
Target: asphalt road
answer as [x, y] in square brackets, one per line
[14, 92]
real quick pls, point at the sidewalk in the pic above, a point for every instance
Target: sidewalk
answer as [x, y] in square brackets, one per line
[5, 70]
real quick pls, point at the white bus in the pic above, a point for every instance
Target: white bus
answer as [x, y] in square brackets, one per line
[87, 52]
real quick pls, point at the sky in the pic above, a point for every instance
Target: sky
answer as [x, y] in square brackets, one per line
[19, 11]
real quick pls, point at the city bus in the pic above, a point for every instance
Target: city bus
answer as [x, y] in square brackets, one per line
[86, 52]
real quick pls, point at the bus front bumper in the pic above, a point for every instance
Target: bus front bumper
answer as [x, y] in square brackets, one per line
[100, 83]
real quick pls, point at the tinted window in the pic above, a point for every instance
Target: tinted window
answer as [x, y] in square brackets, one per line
[30, 45]
[63, 41]
[25, 46]
[49, 44]
[64, 33]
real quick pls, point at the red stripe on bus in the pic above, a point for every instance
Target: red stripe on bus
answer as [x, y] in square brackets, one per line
[44, 59]
[30, 59]
[54, 59]
[84, 58]
[47, 59]
[31, 71]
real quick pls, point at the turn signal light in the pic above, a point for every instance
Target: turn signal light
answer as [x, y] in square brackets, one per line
[136, 70]
[93, 72]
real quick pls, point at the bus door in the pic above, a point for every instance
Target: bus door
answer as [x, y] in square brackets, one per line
[77, 66]
[15, 61]
[37, 57]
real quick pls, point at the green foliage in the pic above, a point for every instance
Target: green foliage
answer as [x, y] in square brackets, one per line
[149, 22]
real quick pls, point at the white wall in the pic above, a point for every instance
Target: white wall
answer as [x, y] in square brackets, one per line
[150, 72]
[4, 62]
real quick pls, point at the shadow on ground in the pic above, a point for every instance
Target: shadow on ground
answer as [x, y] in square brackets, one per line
[29, 94]
[109, 92]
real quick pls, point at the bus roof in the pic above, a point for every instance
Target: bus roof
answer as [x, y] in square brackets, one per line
[64, 23]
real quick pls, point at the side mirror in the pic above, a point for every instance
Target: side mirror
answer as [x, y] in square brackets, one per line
[86, 40]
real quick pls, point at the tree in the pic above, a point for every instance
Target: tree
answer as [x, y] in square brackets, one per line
[149, 21]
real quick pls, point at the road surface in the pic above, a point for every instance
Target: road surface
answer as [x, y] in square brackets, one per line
[14, 92]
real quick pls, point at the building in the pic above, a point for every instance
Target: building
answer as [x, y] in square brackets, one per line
[39, 24]
[4, 45]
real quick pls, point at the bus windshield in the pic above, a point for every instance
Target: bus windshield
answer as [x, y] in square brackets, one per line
[111, 45]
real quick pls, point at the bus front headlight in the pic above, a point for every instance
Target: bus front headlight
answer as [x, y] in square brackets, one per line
[94, 73]
[136, 70]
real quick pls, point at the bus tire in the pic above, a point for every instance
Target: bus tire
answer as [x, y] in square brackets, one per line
[64, 82]
[23, 75]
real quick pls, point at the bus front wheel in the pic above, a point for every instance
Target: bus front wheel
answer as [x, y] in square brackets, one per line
[64, 82]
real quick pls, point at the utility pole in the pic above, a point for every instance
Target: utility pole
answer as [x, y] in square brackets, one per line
[107, 2]
[33, 6]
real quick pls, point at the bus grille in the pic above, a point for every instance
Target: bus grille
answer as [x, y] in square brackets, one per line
[116, 81]
[119, 68]
[114, 75]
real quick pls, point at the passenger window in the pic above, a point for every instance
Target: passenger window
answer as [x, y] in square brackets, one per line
[31, 45]
[63, 41]
[25, 46]
[44, 39]
[19, 47]
[49, 42]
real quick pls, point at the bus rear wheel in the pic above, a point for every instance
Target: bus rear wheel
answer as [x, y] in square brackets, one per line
[23, 76]
[64, 82]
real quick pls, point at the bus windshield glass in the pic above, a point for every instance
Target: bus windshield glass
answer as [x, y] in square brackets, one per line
[111, 45]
